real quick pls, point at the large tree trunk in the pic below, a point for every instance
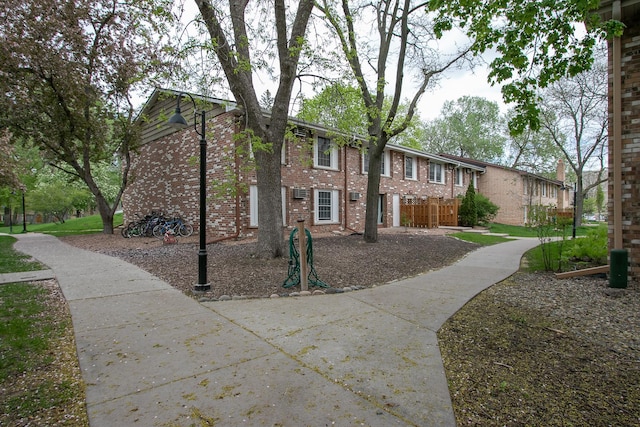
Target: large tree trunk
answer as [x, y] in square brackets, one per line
[270, 235]
[373, 194]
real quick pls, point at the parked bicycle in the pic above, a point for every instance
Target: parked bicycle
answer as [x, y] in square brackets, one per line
[175, 225]
[144, 226]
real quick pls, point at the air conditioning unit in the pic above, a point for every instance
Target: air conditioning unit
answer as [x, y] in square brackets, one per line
[353, 196]
[299, 193]
[300, 132]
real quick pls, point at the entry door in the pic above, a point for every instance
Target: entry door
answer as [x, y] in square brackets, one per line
[396, 210]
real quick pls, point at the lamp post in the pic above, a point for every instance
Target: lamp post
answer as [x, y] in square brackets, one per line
[24, 215]
[179, 122]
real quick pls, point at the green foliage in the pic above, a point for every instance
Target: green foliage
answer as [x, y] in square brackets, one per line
[468, 210]
[592, 248]
[549, 227]
[486, 209]
[536, 43]
[469, 127]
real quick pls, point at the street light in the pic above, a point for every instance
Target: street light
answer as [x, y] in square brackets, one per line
[24, 215]
[178, 121]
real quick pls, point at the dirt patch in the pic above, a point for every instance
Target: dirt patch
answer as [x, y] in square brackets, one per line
[234, 270]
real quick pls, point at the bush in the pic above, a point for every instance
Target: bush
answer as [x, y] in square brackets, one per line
[486, 209]
[592, 248]
[468, 211]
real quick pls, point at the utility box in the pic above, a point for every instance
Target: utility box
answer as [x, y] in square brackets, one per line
[618, 268]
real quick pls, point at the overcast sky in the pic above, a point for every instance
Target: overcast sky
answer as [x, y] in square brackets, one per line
[461, 84]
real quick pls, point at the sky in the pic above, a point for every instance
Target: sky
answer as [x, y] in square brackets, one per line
[452, 86]
[463, 83]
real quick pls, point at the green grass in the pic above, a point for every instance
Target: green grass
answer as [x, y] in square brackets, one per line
[32, 329]
[481, 239]
[12, 261]
[84, 225]
[535, 258]
[519, 231]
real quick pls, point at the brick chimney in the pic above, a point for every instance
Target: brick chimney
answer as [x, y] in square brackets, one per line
[560, 175]
[563, 194]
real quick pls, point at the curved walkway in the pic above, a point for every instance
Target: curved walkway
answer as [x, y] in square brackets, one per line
[151, 356]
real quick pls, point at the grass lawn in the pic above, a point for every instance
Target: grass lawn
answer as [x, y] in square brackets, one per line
[84, 225]
[39, 373]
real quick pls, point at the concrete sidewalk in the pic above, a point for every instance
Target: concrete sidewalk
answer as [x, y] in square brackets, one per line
[151, 356]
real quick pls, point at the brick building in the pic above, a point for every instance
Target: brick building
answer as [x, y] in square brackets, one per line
[514, 190]
[322, 182]
[624, 131]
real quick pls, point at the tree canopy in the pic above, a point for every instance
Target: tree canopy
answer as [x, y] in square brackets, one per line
[533, 43]
[468, 127]
[69, 69]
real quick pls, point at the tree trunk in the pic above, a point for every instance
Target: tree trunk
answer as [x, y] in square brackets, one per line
[270, 235]
[373, 194]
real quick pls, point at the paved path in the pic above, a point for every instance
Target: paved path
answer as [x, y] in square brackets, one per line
[151, 356]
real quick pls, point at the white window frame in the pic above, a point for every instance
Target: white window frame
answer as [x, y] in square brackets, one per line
[335, 206]
[459, 177]
[432, 173]
[333, 154]
[253, 205]
[414, 167]
[385, 165]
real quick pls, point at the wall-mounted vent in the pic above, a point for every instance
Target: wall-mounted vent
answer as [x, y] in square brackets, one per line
[300, 132]
[353, 196]
[299, 193]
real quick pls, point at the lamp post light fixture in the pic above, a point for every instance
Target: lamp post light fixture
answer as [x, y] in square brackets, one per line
[178, 121]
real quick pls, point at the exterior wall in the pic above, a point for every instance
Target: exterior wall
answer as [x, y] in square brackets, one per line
[630, 115]
[298, 172]
[513, 191]
[165, 178]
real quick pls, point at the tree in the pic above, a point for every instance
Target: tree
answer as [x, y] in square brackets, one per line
[600, 201]
[69, 70]
[9, 174]
[469, 127]
[232, 41]
[576, 117]
[468, 211]
[534, 43]
[378, 55]
[533, 151]
[340, 106]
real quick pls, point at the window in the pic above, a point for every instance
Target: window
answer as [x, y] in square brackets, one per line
[385, 169]
[436, 173]
[459, 177]
[409, 167]
[253, 206]
[325, 154]
[326, 204]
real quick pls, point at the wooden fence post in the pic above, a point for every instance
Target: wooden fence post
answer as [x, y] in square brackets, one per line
[302, 240]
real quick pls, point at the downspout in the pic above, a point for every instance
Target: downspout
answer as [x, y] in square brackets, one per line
[617, 133]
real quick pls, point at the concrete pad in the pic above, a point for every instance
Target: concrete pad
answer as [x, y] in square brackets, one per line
[270, 391]
[121, 310]
[269, 318]
[123, 360]
[26, 276]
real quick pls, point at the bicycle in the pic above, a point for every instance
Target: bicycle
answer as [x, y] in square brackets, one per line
[176, 225]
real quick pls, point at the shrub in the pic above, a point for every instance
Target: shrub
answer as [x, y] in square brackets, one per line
[468, 211]
[592, 248]
[486, 209]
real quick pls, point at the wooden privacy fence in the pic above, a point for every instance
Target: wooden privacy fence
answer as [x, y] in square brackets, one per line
[429, 213]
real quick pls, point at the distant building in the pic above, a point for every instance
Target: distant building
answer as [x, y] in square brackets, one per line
[514, 191]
